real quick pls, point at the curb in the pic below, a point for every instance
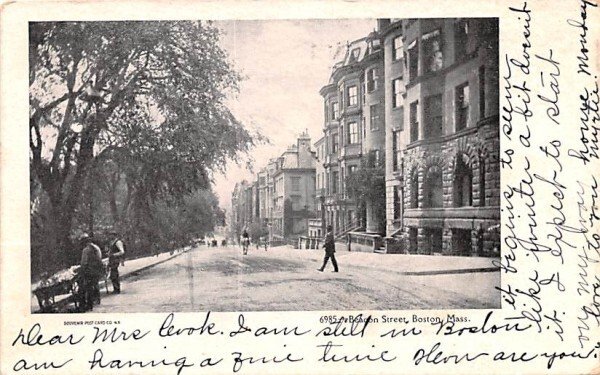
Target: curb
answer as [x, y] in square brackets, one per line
[148, 266]
[449, 272]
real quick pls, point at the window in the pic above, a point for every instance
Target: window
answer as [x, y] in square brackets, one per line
[334, 144]
[376, 157]
[371, 79]
[481, 182]
[351, 169]
[395, 135]
[352, 132]
[414, 189]
[335, 111]
[413, 61]
[397, 48]
[363, 127]
[433, 117]
[295, 183]
[414, 121]
[462, 106]
[481, 92]
[334, 182]
[396, 202]
[432, 51]
[374, 117]
[297, 202]
[462, 184]
[364, 93]
[375, 45]
[461, 36]
[433, 193]
[352, 95]
[354, 54]
[433, 240]
[397, 87]
[461, 241]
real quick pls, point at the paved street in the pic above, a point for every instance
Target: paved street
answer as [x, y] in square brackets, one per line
[222, 279]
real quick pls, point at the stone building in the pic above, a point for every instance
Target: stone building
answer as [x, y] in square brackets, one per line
[282, 197]
[294, 191]
[420, 96]
[442, 141]
[353, 127]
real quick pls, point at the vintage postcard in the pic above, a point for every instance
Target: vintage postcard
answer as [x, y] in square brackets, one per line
[300, 187]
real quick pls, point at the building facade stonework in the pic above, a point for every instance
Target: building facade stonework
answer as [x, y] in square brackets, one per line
[442, 146]
[353, 128]
[426, 103]
[419, 98]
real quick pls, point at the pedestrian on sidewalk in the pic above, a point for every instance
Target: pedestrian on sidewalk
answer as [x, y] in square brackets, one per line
[329, 246]
[116, 255]
[91, 270]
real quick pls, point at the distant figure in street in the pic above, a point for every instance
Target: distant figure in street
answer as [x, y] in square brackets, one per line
[329, 250]
[115, 257]
[91, 270]
[245, 241]
[265, 242]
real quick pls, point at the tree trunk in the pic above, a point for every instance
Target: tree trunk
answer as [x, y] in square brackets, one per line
[112, 196]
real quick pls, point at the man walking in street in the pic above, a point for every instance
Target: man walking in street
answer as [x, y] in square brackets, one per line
[91, 270]
[245, 241]
[116, 254]
[329, 250]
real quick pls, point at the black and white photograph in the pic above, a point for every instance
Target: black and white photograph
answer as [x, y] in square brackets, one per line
[264, 165]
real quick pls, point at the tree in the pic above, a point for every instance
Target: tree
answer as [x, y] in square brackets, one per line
[367, 187]
[257, 230]
[146, 96]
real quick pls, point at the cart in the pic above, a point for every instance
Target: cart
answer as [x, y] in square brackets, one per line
[62, 289]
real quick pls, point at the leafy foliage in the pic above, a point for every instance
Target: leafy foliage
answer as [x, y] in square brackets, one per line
[133, 105]
[367, 185]
[257, 230]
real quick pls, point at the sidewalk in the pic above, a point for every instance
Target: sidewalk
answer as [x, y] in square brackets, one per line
[407, 264]
[131, 267]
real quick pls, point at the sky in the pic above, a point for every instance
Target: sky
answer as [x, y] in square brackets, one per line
[284, 64]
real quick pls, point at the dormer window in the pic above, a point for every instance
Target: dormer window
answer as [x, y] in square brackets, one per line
[374, 45]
